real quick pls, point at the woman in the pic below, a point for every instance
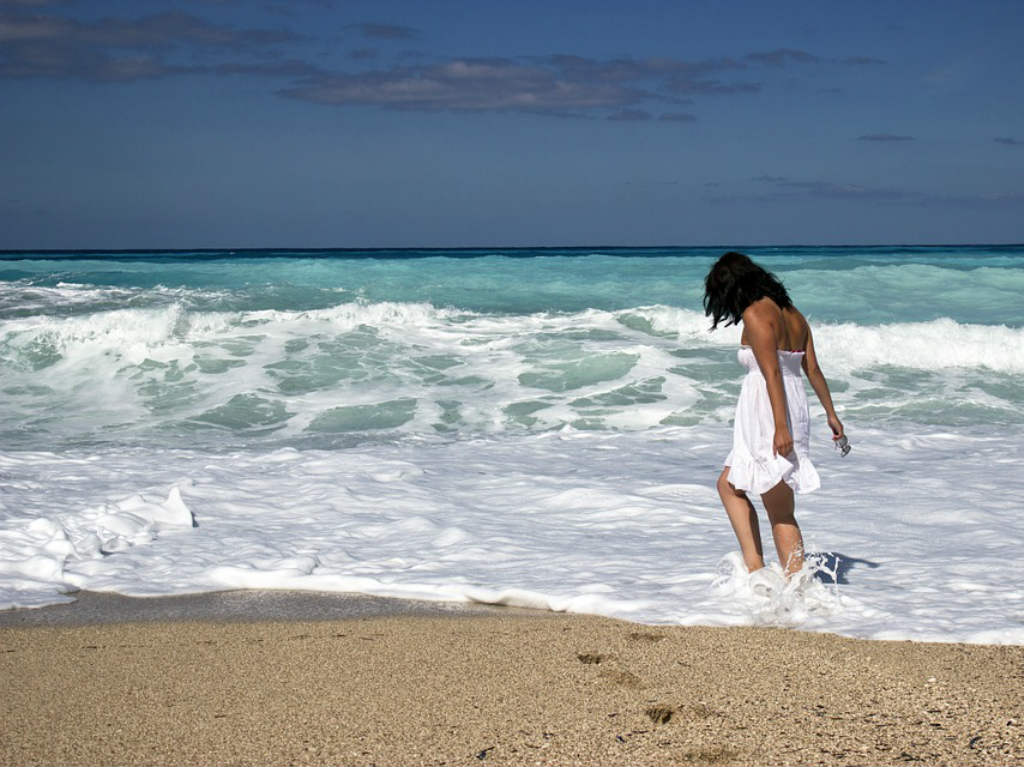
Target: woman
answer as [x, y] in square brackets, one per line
[771, 435]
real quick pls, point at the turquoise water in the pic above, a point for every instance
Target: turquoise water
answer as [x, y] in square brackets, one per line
[334, 348]
[489, 425]
[878, 284]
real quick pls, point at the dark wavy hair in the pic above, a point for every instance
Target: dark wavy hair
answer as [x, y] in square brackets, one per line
[734, 283]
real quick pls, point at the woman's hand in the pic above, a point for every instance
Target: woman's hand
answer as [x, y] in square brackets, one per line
[783, 442]
[836, 426]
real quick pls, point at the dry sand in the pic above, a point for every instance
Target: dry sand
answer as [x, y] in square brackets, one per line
[506, 689]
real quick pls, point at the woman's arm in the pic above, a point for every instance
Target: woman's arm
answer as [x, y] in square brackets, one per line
[813, 372]
[762, 322]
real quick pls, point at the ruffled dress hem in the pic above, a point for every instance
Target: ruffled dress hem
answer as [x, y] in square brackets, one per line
[759, 475]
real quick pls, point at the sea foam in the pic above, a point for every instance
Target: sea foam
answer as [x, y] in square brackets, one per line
[364, 370]
[539, 429]
[620, 524]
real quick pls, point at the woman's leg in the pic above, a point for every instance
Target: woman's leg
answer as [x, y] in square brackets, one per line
[744, 521]
[778, 503]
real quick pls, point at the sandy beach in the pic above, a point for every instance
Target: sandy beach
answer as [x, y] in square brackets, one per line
[496, 688]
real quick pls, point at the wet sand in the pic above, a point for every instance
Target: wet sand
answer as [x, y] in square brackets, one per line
[90, 607]
[453, 686]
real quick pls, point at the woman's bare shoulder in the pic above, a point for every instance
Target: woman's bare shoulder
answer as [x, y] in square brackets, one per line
[797, 312]
[763, 309]
[792, 311]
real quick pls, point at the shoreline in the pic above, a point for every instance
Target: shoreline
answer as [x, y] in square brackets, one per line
[506, 687]
[239, 605]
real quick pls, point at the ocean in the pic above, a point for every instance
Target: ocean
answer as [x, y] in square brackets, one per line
[537, 427]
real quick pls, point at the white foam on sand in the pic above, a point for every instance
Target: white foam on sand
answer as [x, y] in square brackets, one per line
[913, 536]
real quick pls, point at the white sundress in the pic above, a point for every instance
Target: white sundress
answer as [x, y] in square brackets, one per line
[752, 467]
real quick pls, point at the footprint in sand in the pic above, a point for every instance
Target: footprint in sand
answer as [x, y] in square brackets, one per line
[623, 678]
[660, 714]
[644, 636]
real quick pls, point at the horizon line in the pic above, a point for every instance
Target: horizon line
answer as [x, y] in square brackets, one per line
[464, 248]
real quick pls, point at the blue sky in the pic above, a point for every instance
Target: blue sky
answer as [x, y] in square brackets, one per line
[312, 123]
